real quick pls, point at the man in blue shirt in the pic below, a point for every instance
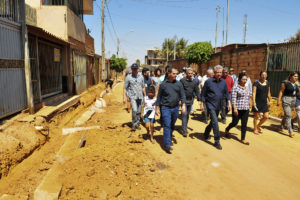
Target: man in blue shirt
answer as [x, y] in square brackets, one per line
[169, 94]
[212, 94]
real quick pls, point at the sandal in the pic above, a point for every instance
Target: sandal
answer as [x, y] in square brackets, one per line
[255, 132]
[291, 135]
[259, 130]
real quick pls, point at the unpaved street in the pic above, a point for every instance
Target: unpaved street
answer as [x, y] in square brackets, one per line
[118, 164]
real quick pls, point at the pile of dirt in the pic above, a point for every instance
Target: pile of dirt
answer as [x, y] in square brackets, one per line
[17, 142]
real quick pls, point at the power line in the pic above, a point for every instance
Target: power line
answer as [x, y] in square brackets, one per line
[112, 22]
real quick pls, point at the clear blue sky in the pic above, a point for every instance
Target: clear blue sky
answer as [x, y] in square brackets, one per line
[144, 24]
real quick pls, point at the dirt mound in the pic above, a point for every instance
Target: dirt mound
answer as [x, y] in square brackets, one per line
[17, 142]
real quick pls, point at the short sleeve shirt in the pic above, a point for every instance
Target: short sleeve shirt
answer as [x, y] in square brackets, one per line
[134, 86]
[149, 107]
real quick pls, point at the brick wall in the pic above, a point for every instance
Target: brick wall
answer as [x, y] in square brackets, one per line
[252, 58]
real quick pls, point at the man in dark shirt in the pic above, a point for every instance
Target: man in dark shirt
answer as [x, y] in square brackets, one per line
[190, 89]
[213, 92]
[169, 94]
[147, 79]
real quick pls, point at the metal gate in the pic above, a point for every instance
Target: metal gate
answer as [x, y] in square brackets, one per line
[50, 65]
[80, 73]
[282, 60]
[12, 77]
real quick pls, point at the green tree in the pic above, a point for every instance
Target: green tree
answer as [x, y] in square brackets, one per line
[296, 37]
[138, 62]
[118, 64]
[199, 52]
[168, 48]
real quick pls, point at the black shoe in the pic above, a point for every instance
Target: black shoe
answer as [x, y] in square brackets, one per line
[184, 134]
[218, 146]
[138, 128]
[133, 128]
[205, 121]
[207, 137]
[168, 150]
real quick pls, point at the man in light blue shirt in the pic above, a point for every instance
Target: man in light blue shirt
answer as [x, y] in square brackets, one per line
[135, 88]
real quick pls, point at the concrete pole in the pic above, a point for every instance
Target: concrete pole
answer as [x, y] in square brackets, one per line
[118, 46]
[223, 29]
[175, 38]
[27, 70]
[216, 39]
[227, 17]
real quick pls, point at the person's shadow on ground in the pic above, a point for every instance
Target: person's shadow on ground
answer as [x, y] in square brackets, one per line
[200, 136]
[275, 128]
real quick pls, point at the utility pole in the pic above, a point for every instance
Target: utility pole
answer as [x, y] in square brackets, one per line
[218, 10]
[118, 45]
[245, 27]
[223, 29]
[25, 44]
[102, 32]
[175, 38]
[167, 51]
[227, 22]
[103, 5]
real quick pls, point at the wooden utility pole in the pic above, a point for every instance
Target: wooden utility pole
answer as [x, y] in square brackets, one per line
[218, 10]
[227, 17]
[102, 32]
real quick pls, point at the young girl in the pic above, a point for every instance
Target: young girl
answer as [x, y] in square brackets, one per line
[148, 113]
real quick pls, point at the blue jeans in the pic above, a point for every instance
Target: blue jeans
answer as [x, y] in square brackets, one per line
[186, 115]
[213, 124]
[169, 116]
[136, 105]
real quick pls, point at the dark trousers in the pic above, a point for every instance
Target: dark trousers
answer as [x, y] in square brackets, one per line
[186, 115]
[213, 125]
[243, 115]
[170, 116]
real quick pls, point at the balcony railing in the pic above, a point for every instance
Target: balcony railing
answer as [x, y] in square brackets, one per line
[10, 9]
[75, 5]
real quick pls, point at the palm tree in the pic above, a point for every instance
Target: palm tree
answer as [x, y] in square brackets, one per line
[168, 48]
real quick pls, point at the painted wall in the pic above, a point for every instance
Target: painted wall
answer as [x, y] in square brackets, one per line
[33, 3]
[53, 20]
[76, 27]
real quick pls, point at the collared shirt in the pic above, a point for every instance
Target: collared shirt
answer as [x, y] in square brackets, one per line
[248, 84]
[241, 97]
[147, 83]
[213, 92]
[233, 76]
[204, 78]
[134, 86]
[229, 82]
[170, 93]
[190, 88]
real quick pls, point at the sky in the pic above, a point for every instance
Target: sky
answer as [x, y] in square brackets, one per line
[144, 24]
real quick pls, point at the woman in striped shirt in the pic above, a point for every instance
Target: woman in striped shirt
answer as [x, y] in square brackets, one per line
[240, 104]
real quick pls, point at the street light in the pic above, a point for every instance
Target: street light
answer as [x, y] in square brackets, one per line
[118, 41]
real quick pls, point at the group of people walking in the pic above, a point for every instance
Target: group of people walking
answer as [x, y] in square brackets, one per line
[220, 91]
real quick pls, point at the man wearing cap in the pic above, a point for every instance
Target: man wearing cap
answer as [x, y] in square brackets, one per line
[135, 88]
[233, 76]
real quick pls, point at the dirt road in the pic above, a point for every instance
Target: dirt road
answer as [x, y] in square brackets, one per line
[118, 164]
